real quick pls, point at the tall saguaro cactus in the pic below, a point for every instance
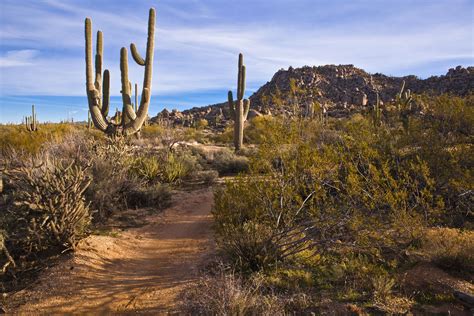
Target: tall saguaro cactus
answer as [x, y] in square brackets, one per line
[98, 90]
[239, 109]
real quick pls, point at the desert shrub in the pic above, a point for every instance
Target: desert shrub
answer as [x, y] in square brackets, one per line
[225, 293]
[48, 212]
[146, 167]
[110, 164]
[18, 138]
[450, 249]
[224, 137]
[202, 124]
[174, 168]
[207, 177]
[260, 129]
[152, 131]
[228, 163]
[157, 196]
[168, 166]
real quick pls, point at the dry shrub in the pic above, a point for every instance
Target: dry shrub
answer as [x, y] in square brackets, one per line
[47, 211]
[157, 196]
[228, 163]
[450, 248]
[225, 293]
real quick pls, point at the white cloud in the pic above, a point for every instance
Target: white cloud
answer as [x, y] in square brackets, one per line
[18, 58]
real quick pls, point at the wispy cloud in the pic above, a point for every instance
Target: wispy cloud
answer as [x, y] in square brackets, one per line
[18, 58]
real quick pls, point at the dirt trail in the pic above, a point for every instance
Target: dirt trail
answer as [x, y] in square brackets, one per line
[141, 270]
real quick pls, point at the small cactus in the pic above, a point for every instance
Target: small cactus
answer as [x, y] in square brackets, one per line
[239, 109]
[31, 121]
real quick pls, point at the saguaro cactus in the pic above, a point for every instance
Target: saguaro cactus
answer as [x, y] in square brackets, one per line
[404, 98]
[377, 112]
[239, 109]
[31, 121]
[98, 90]
[404, 105]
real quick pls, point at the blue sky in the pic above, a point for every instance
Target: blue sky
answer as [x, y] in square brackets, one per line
[197, 43]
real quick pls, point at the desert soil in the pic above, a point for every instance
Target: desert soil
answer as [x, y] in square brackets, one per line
[140, 270]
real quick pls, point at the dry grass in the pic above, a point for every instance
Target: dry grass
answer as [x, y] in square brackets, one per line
[225, 293]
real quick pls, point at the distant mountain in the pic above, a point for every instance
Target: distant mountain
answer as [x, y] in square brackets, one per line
[340, 89]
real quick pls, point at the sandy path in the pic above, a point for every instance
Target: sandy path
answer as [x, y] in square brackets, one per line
[142, 270]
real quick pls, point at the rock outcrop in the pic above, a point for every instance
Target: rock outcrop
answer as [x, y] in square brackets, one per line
[340, 90]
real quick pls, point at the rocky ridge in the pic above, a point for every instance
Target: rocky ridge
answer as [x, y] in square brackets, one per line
[340, 90]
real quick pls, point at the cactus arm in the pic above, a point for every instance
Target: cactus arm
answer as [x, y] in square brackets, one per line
[33, 118]
[401, 89]
[242, 83]
[106, 93]
[246, 108]
[98, 61]
[93, 95]
[142, 113]
[136, 55]
[136, 124]
[136, 97]
[127, 111]
[239, 76]
[150, 47]
[88, 35]
[230, 101]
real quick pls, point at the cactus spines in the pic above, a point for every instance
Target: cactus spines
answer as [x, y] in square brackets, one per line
[239, 109]
[31, 122]
[98, 89]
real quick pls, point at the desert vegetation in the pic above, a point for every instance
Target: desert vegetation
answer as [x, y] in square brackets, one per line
[336, 215]
[365, 212]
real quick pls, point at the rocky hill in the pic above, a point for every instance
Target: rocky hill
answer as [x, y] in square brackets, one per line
[340, 90]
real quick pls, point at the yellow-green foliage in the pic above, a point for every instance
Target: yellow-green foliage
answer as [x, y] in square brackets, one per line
[202, 124]
[174, 168]
[167, 167]
[450, 248]
[224, 137]
[260, 129]
[152, 131]
[359, 196]
[18, 138]
[145, 167]
[290, 278]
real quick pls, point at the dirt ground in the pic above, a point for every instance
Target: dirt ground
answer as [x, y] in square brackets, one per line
[140, 270]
